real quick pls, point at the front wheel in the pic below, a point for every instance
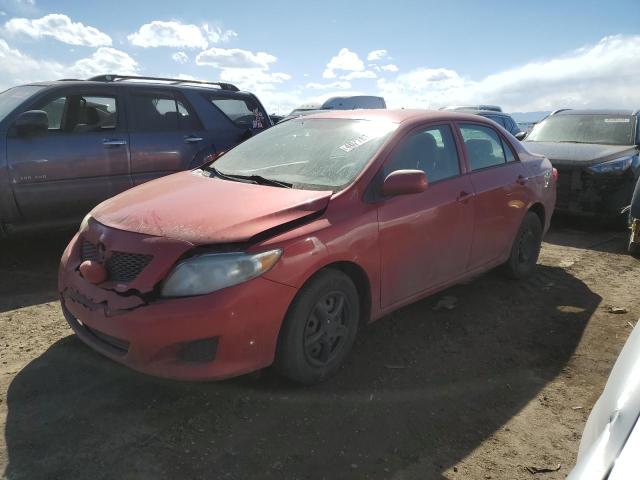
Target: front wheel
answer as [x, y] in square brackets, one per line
[319, 329]
[526, 248]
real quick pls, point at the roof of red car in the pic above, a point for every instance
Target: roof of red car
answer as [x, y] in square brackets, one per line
[397, 116]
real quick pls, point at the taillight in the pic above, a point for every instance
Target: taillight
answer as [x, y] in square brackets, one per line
[554, 174]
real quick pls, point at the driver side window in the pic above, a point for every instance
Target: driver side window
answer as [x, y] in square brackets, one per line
[432, 150]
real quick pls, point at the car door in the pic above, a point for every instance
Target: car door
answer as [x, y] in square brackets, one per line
[80, 161]
[499, 183]
[425, 238]
[165, 132]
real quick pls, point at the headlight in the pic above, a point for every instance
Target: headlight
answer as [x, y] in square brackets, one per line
[618, 165]
[210, 272]
[85, 222]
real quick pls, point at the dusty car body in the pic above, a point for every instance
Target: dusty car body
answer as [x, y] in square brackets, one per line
[383, 229]
[611, 438]
[596, 155]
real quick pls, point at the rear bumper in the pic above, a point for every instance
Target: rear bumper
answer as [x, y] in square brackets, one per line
[580, 192]
[210, 337]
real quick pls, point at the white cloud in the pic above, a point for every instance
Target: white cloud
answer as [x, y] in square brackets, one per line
[389, 68]
[217, 35]
[600, 75]
[328, 86]
[253, 79]
[377, 55]
[159, 33]
[105, 60]
[180, 57]
[234, 58]
[19, 68]
[250, 71]
[344, 60]
[355, 75]
[60, 27]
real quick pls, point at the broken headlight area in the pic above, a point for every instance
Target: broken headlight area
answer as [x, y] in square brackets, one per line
[208, 273]
[619, 165]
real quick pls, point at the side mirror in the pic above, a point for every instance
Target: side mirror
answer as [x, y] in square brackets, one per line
[520, 135]
[32, 122]
[403, 182]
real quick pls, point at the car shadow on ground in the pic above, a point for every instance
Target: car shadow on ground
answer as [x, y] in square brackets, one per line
[421, 390]
[29, 268]
[587, 233]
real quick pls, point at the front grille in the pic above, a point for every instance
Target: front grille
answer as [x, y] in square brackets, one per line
[89, 251]
[125, 267]
[121, 266]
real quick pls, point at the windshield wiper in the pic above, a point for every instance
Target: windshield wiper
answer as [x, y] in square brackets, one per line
[259, 179]
[256, 179]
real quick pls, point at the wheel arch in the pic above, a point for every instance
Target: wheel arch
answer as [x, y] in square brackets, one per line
[360, 278]
[538, 209]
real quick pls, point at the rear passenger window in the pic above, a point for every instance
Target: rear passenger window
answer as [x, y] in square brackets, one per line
[243, 112]
[432, 150]
[160, 113]
[483, 145]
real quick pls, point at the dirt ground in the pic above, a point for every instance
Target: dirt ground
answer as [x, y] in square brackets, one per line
[502, 382]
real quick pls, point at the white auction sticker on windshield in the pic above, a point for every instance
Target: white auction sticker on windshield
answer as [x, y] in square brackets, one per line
[355, 143]
[616, 120]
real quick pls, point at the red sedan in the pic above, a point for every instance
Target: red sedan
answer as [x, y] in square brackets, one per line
[277, 252]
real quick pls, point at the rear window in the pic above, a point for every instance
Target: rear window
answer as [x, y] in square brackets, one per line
[243, 112]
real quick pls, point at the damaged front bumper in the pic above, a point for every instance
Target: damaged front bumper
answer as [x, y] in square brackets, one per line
[219, 335]
[582, 192]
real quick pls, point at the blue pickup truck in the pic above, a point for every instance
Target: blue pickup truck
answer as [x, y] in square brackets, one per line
[67, 145]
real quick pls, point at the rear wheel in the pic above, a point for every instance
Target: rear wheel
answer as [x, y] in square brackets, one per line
[526, 248]
[319, 329]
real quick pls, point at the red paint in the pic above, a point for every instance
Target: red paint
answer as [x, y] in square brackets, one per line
[403, 182]
[407, 246]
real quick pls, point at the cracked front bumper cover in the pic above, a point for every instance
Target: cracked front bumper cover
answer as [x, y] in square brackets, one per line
[136, 327]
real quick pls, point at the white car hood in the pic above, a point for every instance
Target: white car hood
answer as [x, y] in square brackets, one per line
[612, 420]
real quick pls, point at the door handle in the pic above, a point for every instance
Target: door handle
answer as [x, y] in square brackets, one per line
[463, 196]
[193, 139]
[521, 180]
[112, 142]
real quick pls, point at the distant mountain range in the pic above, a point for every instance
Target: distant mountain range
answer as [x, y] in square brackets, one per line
[529, 117]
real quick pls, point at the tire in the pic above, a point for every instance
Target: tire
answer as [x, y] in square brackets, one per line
[319, 328]
[525, 249]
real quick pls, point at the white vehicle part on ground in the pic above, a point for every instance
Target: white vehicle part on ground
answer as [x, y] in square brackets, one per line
[608, 433]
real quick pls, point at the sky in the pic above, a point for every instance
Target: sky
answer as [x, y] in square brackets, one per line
[525, 56]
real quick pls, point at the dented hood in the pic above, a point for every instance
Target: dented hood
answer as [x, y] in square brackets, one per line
[196, 208]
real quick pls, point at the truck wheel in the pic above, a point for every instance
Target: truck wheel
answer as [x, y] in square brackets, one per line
[525, 249]
[319, 329]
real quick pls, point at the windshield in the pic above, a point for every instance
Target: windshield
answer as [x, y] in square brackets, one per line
[598, 128]
[10, 99]
[314, 154]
